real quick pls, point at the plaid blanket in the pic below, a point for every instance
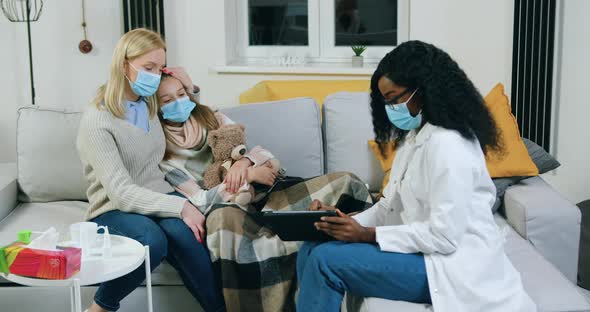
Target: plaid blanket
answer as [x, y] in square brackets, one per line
[258, 270]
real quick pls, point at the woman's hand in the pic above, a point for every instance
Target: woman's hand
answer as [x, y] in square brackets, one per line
[194, 219]
[180, 74]
[345, 228]
[263, 175]
[236, 175]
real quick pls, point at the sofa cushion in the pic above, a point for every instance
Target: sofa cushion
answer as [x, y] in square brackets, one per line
[347, 130]
[546, 219]
[49, 168]
[544, 283]
[543, 160]
[41, 216]
[290, 129]
[502, 184]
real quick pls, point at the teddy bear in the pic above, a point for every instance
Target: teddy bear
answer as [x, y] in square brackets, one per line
[228, 146]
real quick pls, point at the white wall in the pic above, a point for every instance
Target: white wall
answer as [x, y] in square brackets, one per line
[64, 77]
[573, 105]
[477, 33]
[10, 81]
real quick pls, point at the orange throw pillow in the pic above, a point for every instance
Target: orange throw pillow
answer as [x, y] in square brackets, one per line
[386, 161]
[515, 160]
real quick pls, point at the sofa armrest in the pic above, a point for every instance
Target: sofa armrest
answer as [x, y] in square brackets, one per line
[8, 195]
[547, 220]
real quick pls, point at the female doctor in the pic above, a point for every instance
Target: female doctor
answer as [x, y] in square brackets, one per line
[432, 237]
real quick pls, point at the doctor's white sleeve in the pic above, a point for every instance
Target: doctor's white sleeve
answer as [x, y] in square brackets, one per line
[451, 175]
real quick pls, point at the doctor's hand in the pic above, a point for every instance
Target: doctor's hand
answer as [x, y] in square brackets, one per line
[345, 228]
[318, 205]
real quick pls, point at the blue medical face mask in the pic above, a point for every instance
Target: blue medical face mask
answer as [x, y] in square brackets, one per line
[399, 115]
[179, 110]
[146, 84]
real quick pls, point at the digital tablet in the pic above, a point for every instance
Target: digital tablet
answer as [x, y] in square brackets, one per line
[296, 225]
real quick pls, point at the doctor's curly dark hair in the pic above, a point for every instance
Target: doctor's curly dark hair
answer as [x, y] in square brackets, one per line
[449, 98]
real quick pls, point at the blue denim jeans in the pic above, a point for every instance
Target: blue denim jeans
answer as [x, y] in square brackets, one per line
[170, 239]
[326, 271]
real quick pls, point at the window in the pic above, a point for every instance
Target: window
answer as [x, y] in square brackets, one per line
[319, 30]
[144, 14]
[373, 24]
[280, 23]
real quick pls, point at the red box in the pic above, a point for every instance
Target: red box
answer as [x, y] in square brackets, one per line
[59, 264]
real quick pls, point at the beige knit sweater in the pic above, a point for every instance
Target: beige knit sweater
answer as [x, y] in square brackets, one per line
[121, 162]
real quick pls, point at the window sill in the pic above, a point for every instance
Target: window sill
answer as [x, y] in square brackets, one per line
[319, 69]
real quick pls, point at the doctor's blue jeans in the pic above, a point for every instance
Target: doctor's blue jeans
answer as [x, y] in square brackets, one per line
[327, 270]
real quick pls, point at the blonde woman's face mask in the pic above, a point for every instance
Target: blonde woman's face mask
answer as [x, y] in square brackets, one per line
[144, 72]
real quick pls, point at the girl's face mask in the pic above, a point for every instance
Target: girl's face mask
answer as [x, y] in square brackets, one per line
[179, 110]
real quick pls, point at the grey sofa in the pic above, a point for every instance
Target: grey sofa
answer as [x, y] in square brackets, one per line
[540, 226]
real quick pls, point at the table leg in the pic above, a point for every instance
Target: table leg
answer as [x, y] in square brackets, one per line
[148, 278]
[72, 300]
[77, 296]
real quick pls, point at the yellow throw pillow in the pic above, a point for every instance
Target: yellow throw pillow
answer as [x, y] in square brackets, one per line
[274, 90]
[386, 161]
[515, 160]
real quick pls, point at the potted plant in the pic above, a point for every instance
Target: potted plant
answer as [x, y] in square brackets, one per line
[357, 58]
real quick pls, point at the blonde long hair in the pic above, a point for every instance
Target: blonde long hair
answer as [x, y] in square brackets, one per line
[203, 114]
[131, 46]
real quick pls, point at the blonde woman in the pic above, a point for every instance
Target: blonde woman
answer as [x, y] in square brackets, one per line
[121, 143]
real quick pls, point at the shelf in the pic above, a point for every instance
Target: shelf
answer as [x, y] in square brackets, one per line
[321, 69]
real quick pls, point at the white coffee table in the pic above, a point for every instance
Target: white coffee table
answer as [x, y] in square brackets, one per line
[128, 255]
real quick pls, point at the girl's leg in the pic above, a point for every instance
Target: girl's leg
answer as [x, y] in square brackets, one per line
[142, 229]
[331, 269]
[193, 262]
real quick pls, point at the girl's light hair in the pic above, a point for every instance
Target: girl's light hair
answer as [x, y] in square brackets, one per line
[203, 114]
[131, 46]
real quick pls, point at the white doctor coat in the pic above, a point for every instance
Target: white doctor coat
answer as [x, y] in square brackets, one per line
[438, 202]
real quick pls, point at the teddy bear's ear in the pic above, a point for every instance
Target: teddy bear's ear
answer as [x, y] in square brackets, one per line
[212, 138]
[242, 127]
